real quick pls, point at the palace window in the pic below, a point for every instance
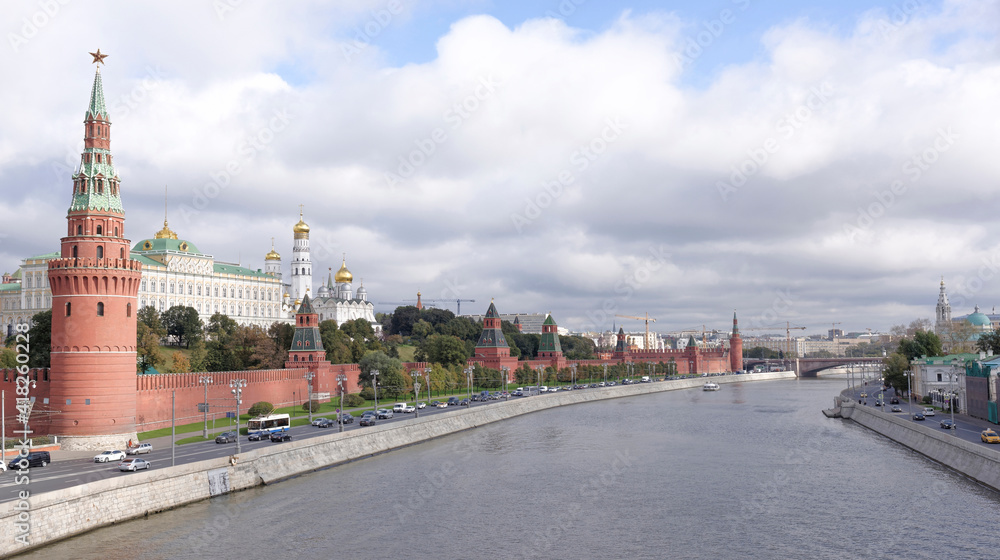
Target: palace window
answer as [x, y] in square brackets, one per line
[144, 285]
[199, 289]
[190, 288]
[171, 287]
[163, 287]
[217, 294]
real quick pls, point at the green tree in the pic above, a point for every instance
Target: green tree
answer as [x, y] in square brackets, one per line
[220, 348]
[923, 343]
[282, 334]
[989, 342]
[40, 340]
[442, 349]
[391, 382]
[894, 370]
[577, 347]
[402, 320]
[8, 358]
[151, 318]
[183, 322]
[147, 348]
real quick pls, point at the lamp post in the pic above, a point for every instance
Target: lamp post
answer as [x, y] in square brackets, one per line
[206, 379]
[573, 377]
[375, 388]
[416, 393]
[605, 375]
[505, 371]
[237, 390]
[538, 389]
[909, 404]
[309, 379]
[468, 386]
[427, 374]
[341, 379]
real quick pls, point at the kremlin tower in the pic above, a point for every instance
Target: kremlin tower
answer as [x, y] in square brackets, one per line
[94, 287]
[301, 263]
[735, 348]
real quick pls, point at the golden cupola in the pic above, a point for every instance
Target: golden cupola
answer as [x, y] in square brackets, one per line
[166, 232]
[272, 255]
[301, 229]
[343, 275]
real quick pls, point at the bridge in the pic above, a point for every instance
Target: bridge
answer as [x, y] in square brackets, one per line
[811, 367]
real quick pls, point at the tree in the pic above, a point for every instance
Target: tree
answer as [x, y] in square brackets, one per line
[962, 337]
[894, 369]
[40, 338]
[219, 354]
[8, 358]
[402, 320]
[989, 342]
[923, 343]
[147, 348]
[391, 382]
[181, 364]
[282, 334]
[577, 347]
[182, 322]
[149, 317]
[442, 349]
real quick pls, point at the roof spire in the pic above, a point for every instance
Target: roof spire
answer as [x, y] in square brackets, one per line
[97, 108]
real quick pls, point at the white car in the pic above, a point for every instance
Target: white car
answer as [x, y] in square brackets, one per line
[422, 405]
[928, 412]
[408, 409]
[107, 456]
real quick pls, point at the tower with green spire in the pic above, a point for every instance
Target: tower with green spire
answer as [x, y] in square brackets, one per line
[548, 345]
[492, 350]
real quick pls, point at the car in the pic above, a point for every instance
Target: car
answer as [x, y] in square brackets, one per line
[989, 436]
[346, 418]
[442, 405]
[453, 401]
[384, 414]
[33, 459]
[948, 425]
[326, 423]
[518, 393]
[897, 409]
[316, 422]
[281, 436]
[918, 416]
[928, 411]
[421, 406]
[226, 437]
[133, 465]
[367, 421]
[259, 435]
[894, 400]
[141, 448]
[107, 456]
[409, 409]
[864, 395]
[465, 402]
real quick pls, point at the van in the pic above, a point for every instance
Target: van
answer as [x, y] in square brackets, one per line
[399, 407]
[33, 459]
[645, 379]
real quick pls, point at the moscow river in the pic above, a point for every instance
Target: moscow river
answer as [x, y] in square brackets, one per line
[752, 471]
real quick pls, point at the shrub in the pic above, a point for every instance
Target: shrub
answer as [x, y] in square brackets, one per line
[368, 394]
[926, 399]
[262, 408]
[353, 400]
[311, 406]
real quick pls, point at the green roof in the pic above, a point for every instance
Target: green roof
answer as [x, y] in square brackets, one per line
[491, 313]
[239, 271]
[11, 287]
[97, 106]
[550, 340]
[163, 245]
[17, 274]
[946, 360]
[306, 308]
[46, 256]
[146, 261]
[549, 321]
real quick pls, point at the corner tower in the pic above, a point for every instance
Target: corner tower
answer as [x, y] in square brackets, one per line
[735, 347]
[94, 286]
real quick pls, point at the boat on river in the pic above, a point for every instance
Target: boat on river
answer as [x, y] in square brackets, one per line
[710, 386]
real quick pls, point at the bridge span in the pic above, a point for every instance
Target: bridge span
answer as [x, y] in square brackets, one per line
[812, 367]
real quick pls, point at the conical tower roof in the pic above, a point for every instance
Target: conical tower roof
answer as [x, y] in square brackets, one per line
[97, 108]
[306, 308]
[491, 313]
[549, 320]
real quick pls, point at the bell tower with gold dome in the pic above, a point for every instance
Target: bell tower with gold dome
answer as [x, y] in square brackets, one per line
[301, 262]
[272, 262]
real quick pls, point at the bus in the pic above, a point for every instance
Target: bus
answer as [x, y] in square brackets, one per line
[270, 423]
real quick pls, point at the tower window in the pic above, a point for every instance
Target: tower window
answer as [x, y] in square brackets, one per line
[100, 250]
[79, 230]
[69, 308]
[122, 253]
[128, 310]
[116, 229]
[74, 251]
[100, 309]
[100, 230]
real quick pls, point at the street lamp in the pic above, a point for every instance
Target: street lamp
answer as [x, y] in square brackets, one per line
[375, 388]
[909, 404]
[341, 379]
[538, 390]
[237, 390]
[468, 376]
[605, 375]
[505, 371]
[206, 379]
[416, 393]
[573, 377]
[309, 379]
[427, 374]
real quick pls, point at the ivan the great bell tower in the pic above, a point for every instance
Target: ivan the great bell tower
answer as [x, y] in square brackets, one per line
[94, 287]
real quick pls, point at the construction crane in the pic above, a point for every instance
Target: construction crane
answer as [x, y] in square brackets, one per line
[788, 330]
[647, 318]
[408, 302]
[458, 303]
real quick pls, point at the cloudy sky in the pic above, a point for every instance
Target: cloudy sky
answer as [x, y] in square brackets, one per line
[813, 164]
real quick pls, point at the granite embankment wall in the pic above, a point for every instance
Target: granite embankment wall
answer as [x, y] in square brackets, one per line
[57, 515]
[971, 459]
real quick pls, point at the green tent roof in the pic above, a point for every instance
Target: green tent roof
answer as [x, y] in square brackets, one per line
[163, 245]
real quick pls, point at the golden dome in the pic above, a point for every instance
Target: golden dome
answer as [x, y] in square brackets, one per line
[272, 255]
[343, 275]
[301, 229]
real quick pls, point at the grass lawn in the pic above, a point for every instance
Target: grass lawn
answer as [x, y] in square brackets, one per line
[406, 352]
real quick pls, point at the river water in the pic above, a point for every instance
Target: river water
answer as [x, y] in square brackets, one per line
[751, 471]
